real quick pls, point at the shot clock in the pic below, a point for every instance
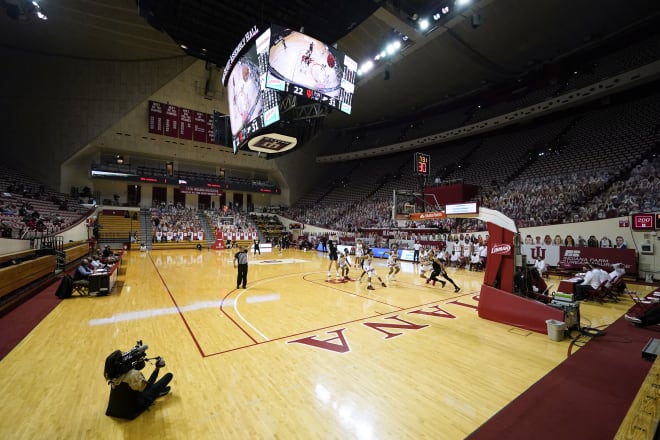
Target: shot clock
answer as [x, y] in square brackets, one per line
[422, 164]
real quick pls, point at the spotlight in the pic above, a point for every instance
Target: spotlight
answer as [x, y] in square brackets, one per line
[423, 24]
[120, 160]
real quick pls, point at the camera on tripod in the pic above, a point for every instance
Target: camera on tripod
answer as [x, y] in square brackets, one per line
[119, 363]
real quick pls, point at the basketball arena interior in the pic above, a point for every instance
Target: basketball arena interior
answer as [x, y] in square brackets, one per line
[174, 133]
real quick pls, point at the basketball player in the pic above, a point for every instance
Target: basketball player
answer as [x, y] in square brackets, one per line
[425, 262]
[393, 264]
[370, 271]
[359, 253]
[344, 264]
[439, 269]
[332, 254]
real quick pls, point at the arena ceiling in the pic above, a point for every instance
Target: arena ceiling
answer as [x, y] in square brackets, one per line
[512, 37]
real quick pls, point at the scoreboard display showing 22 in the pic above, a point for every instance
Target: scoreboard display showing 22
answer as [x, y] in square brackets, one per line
[304, 66]
[422, 164]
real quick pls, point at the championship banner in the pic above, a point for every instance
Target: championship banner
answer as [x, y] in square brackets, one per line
[426, 215]
[182, 123]
[210, 191]
[171, 127]
[155, 117]
[210, 129]
[185, 124]
[199, 127]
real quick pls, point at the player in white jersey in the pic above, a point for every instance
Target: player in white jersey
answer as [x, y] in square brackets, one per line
[359, 253]
[344, 264]
[425, 263]
[393, 264]
[370, 271]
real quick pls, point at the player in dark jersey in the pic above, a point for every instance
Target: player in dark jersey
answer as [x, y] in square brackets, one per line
[332, 254]
[439, 269]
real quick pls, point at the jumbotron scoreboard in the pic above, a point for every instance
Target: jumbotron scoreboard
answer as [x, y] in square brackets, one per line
[304, 66]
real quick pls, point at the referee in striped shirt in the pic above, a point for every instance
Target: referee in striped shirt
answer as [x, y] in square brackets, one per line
[241, 262]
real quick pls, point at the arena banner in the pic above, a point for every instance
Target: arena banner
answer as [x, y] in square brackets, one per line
[171, 121]
[426, 215]
[210, 129]
[199, 126]
[576, 257]
[210, 191]
[573, 258]
[549, 253]
[156, 110]
[185, 123]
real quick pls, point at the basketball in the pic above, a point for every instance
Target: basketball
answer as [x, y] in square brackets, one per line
[331, 61]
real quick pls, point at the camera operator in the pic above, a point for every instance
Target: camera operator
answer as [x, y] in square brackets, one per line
[130, 393]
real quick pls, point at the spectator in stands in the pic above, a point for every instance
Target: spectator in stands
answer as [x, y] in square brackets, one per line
[593, 241]
[529, 239]
[605, 242]
[547, 240]
[620, 243]
[581, 241]
[568, 241]
[557, 241]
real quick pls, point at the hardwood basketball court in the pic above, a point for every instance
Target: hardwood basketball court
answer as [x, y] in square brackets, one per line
[291, 356]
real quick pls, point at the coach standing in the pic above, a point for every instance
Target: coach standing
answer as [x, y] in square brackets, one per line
[241, 262]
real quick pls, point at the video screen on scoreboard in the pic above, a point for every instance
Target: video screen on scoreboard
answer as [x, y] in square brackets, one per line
[251, 106]
[304, 66]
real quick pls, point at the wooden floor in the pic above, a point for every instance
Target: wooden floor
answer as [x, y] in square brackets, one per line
[291, 357]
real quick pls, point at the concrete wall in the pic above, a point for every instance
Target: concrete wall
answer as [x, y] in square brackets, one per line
[52, 106]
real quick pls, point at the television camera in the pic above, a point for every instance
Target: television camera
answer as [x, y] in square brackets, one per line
[119, 363]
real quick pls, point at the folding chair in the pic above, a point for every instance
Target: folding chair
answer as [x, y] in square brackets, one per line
[80, 284]
[594, 294]
[639, 313]
[617, 286]
[603, 293]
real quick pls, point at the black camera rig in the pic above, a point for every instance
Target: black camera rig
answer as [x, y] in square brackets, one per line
[119, 363]
[136, 357]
